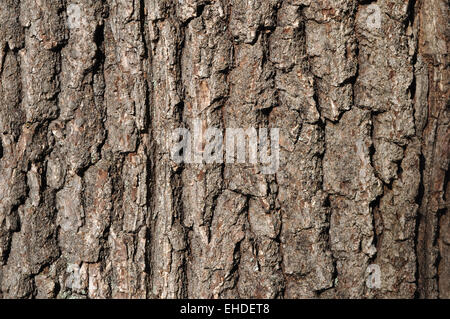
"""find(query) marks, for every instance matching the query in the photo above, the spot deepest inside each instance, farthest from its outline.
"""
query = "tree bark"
(93, 206)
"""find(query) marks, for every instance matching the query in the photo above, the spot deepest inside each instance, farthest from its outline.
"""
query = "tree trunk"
(92, 204)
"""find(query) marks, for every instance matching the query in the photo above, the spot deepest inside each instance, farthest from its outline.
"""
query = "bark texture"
(92, 205)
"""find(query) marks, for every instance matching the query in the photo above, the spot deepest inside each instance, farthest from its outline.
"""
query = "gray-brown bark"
(92, 204)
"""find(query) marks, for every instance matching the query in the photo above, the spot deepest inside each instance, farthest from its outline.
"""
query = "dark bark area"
(93, 206)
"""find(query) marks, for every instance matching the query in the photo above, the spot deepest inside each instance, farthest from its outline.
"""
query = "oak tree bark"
(93, 206)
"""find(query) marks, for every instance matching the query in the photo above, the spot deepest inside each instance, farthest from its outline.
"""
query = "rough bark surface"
(93, 206)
